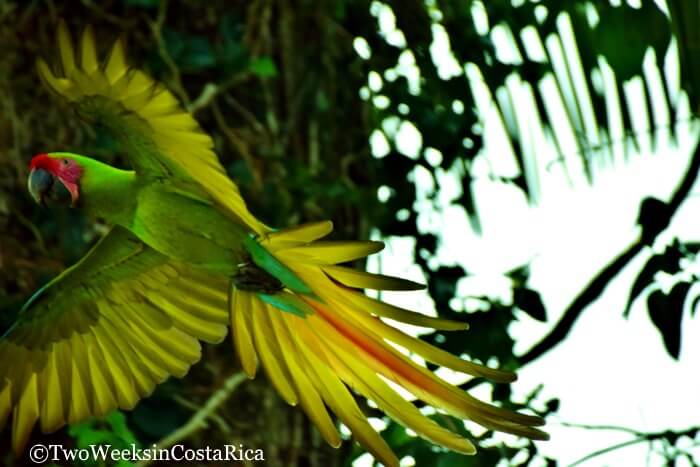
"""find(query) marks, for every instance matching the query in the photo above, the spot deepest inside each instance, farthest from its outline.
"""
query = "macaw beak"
(39, 183)
(49, 190)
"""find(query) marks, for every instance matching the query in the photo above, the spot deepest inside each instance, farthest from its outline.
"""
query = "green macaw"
(184, 261)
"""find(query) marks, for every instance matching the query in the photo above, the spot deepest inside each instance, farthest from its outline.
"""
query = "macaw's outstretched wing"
(102, 335)
(157, 135)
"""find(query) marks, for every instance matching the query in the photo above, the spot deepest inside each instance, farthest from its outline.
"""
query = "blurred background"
(535, 162)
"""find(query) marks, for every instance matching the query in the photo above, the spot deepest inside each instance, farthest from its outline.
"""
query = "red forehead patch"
(43, 161)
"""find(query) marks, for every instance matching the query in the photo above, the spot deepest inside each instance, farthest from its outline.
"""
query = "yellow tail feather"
(345, 342)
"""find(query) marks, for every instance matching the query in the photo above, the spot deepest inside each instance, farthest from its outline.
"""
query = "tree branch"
(669, 436)
(198, 420)
(582, 300)
(157, 31)
(601, 280)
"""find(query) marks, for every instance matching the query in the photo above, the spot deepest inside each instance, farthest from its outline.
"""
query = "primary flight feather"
(184, 261)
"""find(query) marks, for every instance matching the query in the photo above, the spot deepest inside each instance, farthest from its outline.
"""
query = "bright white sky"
(611, 370)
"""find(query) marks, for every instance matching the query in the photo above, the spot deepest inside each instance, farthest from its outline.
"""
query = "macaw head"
(55, 178)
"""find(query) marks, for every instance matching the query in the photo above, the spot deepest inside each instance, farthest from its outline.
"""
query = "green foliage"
(684, 14)
(668, 261)
(112, 430)
(227, 57)
(425, 454)
(642, 28)
(666, 309)
(666, 312)
(191, 53)
(263, 67)
(159, 415)
(530, 302)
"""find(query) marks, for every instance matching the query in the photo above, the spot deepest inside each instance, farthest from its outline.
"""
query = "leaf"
(553, 405)
(666, 313)
(519, 274)
(263, 67)
(668, 261)
(117, 421)
(112, 431)
(530, 302)
(654, 217)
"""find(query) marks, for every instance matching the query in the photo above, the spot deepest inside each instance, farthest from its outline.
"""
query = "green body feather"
(181, 224)
(273, 266)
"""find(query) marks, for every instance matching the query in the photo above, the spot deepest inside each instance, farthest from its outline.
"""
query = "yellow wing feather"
(25, 414)
(242, 336)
